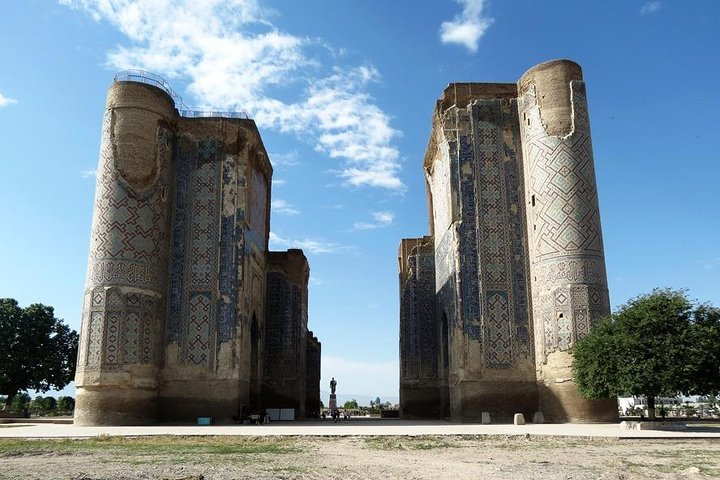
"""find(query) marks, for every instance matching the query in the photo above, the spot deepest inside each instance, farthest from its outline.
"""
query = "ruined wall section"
(420, 386)
(285, 354)
(174, 309)
(474, 171)
(441, 175)
(123, 311)
(507, 374)
(207, 312)
(569, 283)
(312, 383)
(256, 227)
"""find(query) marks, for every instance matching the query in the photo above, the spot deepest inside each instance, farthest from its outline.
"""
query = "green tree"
(658, 344)
(20, 402)
(351, 404)
(43, 405)
(37, 350)
(65, 404)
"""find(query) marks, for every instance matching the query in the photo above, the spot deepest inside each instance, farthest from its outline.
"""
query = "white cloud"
(309, 245)
(650, 7)
(283, 207)
(380, 219)
(384, 218)
(88, 173)
(215, 46)
(289, 159)
(5, 101)
(278, 182)
(467, 28)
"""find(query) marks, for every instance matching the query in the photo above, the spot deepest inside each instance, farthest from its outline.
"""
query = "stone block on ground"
(485, 419)
(538, 417)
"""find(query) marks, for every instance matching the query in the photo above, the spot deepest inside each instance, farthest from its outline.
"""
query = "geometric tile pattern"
(469, 273)
(501, 233)
(121, 329)
(95, 346)
(230, 253)
(149, 315)
(280, 328)
(129, 229)
(199, 328)
(112, 335)
(418, 311)
(129, 232)
(564, 227)
(499, 350)
(206, 246)
(194, 250)
(203, 229)
(562, 178)
(427, 344)
(181, 212)
(131, 342)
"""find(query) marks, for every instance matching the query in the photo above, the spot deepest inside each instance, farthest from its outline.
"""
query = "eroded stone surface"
(176, 304)
(516, 247)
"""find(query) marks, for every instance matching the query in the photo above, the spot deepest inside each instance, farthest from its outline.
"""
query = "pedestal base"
(333, 402)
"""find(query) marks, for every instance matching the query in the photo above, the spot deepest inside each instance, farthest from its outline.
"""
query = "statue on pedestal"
(333, 385)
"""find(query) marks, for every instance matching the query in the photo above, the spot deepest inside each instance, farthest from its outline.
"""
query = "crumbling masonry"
(513, 272)
(186, 313)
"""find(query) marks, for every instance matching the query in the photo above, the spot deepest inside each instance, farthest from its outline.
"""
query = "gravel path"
(358, 457)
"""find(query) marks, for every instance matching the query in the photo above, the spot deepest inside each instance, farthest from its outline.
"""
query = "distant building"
(513, 271)
(186, 312)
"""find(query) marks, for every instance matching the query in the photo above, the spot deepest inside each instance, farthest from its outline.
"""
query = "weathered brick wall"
(419, 330)
(519, 268)
(285, 358)
(491, 354)
(312, 385)
(174, 312)
(210, 306)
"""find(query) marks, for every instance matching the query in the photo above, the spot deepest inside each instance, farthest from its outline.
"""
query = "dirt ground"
(407, 458)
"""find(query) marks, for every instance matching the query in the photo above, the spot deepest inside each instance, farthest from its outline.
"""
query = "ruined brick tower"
(514, 271)
(177, 300)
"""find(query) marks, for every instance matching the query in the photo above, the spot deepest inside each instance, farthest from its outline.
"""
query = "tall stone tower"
(174, 317)
(567, 263)
(518, 264)
(120, 352)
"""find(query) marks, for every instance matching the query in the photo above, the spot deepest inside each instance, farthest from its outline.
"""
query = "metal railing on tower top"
(143, 76)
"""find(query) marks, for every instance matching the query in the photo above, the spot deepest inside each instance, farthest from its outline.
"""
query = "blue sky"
(342, 92)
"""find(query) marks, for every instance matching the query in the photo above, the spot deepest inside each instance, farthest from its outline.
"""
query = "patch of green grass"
(408, 443)
(160, 445)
